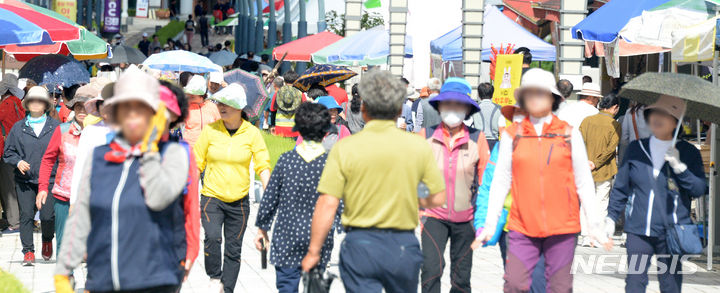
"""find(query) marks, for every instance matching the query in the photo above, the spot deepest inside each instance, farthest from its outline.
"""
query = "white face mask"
(452, 118)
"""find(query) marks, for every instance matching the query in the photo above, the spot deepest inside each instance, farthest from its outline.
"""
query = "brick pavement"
(486, 276)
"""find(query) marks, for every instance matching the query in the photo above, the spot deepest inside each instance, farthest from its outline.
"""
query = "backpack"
(288, 99)
(486, 120)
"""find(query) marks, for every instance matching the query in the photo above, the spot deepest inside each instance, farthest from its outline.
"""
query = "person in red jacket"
(11, 111)
(62, 150)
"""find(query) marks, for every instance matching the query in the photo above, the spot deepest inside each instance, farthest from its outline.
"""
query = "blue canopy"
(604, 24)
(498, 29)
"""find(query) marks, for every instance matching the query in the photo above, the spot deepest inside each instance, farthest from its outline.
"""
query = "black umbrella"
(55, 70)
(125, 54)
(702, 97)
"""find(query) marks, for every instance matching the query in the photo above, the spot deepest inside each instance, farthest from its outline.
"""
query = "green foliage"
(336, 22)
(277, 145)
(547, 66)
(10, 284)
(170, 30)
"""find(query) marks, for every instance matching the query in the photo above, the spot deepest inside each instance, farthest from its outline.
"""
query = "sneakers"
(215, 286)
(29, 259)
(47, 250)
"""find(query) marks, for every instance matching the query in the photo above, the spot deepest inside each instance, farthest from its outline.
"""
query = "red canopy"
(302, 49)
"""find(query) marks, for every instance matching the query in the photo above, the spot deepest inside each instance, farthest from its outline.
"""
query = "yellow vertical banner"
(508, 70)
(67, 8)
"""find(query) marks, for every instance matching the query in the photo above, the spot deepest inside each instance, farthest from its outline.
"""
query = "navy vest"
(129, 247)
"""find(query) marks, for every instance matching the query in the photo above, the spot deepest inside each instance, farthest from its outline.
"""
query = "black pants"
(27, 192)
(204, 38)
(435, 235)
(640, 249)
(158, 289)
(230, 219)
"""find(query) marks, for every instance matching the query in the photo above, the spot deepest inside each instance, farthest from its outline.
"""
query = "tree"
(336, 22)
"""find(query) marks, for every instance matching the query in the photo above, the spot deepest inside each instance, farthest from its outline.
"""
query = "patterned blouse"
(292, 194)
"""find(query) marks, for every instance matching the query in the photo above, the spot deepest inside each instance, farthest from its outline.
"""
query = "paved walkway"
(486, 276)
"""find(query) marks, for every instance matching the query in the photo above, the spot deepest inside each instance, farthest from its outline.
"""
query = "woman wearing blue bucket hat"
(340, 128)
(461, 153)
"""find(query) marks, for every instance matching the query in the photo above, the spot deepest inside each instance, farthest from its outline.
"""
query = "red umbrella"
(57, 29)
(300, 50)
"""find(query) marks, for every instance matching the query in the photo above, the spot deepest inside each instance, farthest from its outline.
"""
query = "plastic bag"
(315, 282)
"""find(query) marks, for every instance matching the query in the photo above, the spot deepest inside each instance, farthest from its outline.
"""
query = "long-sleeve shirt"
(502, 178)
(602, 135)
(225, 159)
(62, 150)
(162, 179)
(92, 136)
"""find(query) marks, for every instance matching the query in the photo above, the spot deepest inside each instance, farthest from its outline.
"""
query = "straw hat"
(591, 90)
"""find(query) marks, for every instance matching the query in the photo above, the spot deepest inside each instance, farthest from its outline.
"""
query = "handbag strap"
(634, 121)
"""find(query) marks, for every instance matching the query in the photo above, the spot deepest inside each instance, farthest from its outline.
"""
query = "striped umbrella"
(324, 75)
(56, 29)
(88, 46)
(17, 30)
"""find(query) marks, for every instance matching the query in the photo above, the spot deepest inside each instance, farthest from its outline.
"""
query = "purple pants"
(523, 254)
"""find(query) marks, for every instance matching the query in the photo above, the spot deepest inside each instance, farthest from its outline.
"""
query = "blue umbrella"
(257, 97)
(498, 29)
(323, 74)
(223, 57)
(17, 30)
(604, 24)
(55, 70)
(179, 60)
(369, 47)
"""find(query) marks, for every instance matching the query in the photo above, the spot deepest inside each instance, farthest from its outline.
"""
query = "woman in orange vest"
(543, 161)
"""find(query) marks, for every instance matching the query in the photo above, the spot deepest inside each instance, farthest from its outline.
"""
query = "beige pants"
(602, 193)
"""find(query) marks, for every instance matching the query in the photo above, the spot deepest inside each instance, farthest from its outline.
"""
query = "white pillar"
(571, 50)
(186, 8)
(398, 24)
(472, 32)
(353, 14)
(124, 14)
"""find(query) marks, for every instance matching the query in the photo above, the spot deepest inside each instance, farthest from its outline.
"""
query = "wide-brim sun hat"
(10, 83)
(232, 95)
(196, 86)
(538, 79)
(672, 105)
(591, 90)
(37, 93)
(133, 85)
(329, 102)
(455, 91)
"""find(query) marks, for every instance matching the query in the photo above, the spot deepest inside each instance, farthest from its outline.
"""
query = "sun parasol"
(57, 30)
(125, 54)
(223, 57)
(703, 102)
(179, 60)
(88, 47)
(257, 97)
(323, 74)
(17, 30)
(302, 49)
(55, 70)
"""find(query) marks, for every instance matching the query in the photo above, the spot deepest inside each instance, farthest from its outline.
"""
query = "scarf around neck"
(39, 120)
(121, 150)
(310, 150)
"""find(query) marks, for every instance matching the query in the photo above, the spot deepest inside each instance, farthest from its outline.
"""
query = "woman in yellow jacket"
(223, 151)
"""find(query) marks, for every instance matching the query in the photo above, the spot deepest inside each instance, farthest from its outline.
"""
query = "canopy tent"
(604, 24)
(368, 47)
(498, 29)
(302, 49)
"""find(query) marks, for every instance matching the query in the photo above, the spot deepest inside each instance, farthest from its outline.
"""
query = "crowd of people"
(125, 172)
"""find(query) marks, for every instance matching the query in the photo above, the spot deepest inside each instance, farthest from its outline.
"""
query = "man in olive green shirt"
(376, 173)
(601, 134)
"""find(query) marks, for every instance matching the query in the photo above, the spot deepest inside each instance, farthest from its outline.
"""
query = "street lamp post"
(398, 25)
(287, 33)
(272, 30)
(302, 32)
(259, 36)
(472, 34)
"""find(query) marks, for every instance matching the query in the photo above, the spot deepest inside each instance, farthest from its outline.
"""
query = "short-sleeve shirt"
(376, 173)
